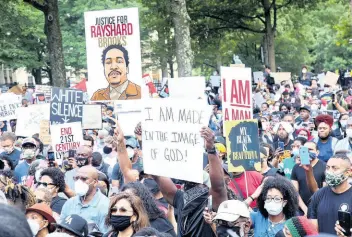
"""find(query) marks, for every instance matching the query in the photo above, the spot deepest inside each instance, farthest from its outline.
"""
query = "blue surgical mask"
(295, 153)
(312, 155)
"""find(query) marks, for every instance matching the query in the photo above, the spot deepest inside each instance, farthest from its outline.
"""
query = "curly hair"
(148, 200)
(8, 160)
(57, 176)
(286, 189)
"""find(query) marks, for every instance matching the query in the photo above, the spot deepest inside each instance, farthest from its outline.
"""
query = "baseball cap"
(304, 108)
(75, 224)
(220, 139)
(132, 142)
(45, 211)
(231, 210)
(220, 147)
(29, 141)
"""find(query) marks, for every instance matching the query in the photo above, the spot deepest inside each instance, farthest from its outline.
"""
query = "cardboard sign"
(66, 105)
(321, 79)
(187, 88)
(92, 118)
(113, 54)
(238, 65)
(331, 78)
(29, 118)
(258, 76)
(44, 89)
(215, 81)
(242, 142)
(65, 137)
(9, 102)
(44, 133)
(237, 99)
(172, 145)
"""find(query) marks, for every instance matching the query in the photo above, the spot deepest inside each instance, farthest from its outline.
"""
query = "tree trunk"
(265, 51)
(171, 66)
(269, 34)
(37, 74)
(163, 57)
(53, 33)
(184, 54)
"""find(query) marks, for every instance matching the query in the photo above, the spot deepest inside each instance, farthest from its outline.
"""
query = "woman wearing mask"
(285, 108)
(340, 132)
(304, 133)
(40, 219)
(277, 203)
(126, 215)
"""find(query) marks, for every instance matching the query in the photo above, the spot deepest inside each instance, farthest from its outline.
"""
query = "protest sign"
(9, 102)
(66, 105)
(113, 54)
(28, 119)
(65, 137)
(44, 134)
(238, 65)
(237, 93)
(44, 89)
(172, 145)
(282, 77)
(215, 81)
(321, 79)
(187, 88)
(258, 76)
(129, 115)
(242, 142)
(331, 79)
(92, 118)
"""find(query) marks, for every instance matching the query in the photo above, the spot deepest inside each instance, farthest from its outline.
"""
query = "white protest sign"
(321, 79)
(65, 137)
(237, 101)
(331, 79)
(129, 115)
(187, 88)
(215, 81)
(44, 89)
(9, 102)
(258, 76)
(172, 145)
(91, 116)
(28, 119)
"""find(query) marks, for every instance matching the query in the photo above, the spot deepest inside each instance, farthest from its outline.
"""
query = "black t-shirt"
(163, 226)
(189, 207)
(325, 205)
(57, 203)
(299, 175)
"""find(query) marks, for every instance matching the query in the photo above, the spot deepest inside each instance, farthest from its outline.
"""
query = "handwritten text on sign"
(237, 93)
(9, 102)
(172, 144)
(66, 137)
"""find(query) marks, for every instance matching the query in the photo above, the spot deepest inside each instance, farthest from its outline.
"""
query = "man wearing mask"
(299, 176)
(99, 164)
(89, 202)
(233, 217)
(7, 143)
(326, 142)
(290, 118)
(346, 143)
(327, 201)
(102, 134)
(305, 78)
(29, 149)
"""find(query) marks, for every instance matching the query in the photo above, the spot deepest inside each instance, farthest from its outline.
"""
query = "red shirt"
(254, 179)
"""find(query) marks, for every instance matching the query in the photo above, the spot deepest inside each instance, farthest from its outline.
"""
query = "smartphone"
(210, 203)
(304, 155)
(51, 156)
(345, 221)
(333, 97)
(281, 145)
(71, 153)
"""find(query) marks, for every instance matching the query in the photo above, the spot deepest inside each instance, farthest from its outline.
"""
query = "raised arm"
(167, 188)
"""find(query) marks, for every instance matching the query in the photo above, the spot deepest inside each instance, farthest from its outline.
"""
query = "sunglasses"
(45, 184)
(84, 179)
(120, 210)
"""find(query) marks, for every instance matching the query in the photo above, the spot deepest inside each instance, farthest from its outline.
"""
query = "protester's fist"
(208, 216)
(208, 136)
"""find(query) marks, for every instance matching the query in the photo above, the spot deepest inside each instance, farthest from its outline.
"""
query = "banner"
(44, 133)
(66, 105)
(28, 119)
(65, 137)
(237, 102)
(9, 102)
(92, 118)
(113, 54)
(187, 88)
(172, 145)
(44, 89)
(242, 142)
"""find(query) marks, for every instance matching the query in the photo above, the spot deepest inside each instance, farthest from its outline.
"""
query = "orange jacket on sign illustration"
(115, 60)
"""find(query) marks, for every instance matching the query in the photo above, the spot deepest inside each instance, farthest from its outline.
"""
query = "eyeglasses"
(121, 210)
(276, 199)
(45, 184)
(84, 179)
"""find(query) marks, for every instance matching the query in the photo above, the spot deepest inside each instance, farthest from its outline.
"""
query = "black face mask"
(222, 231)
(107, 150)
(120, 223)
(280, 234)
(82, 161)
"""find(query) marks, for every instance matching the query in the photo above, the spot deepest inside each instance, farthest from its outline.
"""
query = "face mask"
(276, 108)
(314, 107)
(107, 150)
(224, 231)
(326, 89)
(120, 223)
(303, 137)
(343, 123)
(82, 161)
(274, 208)
(8, 150)
(349, 132)
(34, 226)
(37, 175)
(295, 152)
(304, 71)
(28, 154)
(334, 180)
(81, 188)
(130, 152)
(312, 155)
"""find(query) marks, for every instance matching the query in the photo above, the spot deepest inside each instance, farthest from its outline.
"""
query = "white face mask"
(8, 150)
(349, 132)
(130, 152)
(81, 188)
(326, 89)
(274, 208)
(34, 226)
(314, 107)
(343, 123)
(276, 108)
(304, 71)
(28, 154)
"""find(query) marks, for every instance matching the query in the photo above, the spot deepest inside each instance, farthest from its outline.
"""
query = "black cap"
(13, 222)
(226, 170)
(304, 108)
(75, 224)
